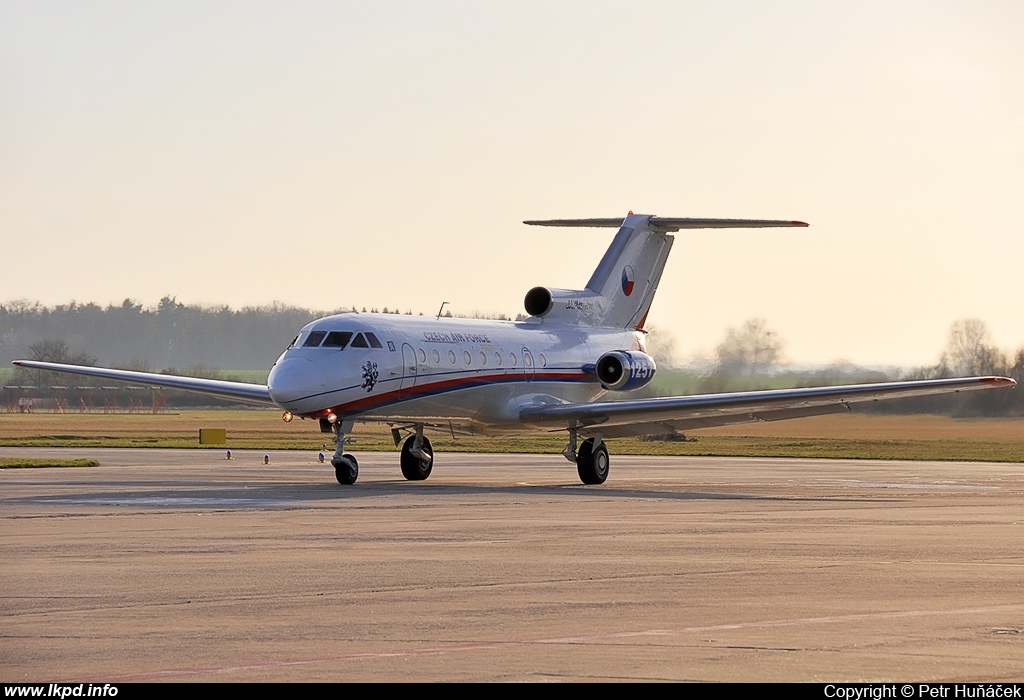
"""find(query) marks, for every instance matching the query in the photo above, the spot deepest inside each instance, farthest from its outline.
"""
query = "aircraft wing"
(237, 391)
(662, 415)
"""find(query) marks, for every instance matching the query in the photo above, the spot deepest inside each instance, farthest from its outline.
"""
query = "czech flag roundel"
(627, 280)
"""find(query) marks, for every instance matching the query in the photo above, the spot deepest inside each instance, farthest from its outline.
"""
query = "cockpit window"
(337, 339)
(314, 339)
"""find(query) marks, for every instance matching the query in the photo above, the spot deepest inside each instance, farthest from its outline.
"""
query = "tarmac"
(180, 565)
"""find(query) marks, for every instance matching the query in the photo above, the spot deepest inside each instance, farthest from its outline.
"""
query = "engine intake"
(622, 370)
(539, 301)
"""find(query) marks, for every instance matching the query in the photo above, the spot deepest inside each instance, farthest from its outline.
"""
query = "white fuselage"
(476, 374)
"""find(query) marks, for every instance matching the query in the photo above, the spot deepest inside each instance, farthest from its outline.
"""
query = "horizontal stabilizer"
(665, 224)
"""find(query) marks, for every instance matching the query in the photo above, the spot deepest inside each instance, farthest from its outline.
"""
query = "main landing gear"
(417, 457)
(591, 458)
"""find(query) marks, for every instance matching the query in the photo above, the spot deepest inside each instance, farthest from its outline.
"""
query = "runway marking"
(162, 502)
(895, 485)
(578, 639)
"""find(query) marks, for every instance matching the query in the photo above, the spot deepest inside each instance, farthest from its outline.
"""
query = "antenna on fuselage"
(440, 310)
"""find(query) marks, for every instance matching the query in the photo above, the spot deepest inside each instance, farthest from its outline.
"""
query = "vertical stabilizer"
(627, 276)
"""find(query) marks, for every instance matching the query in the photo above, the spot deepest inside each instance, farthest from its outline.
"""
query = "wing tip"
(999, 381)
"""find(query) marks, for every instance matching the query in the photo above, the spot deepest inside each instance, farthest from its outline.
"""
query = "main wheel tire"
(591, 464)
(413, 468)
(346, 470)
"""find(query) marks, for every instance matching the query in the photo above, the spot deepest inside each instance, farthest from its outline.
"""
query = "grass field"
(840, 436)
(20, 463)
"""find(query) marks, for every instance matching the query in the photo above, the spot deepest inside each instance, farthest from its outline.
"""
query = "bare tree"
(54, 351)
(661, 345)
(58, 351)
(969, 350)
(752, 349)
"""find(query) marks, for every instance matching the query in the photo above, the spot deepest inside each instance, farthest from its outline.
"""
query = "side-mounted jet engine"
(622, 370)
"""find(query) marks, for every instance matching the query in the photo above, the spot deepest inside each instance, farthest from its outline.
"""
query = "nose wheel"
(346, 469)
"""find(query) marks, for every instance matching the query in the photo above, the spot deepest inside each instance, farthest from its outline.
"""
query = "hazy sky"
(326, 154)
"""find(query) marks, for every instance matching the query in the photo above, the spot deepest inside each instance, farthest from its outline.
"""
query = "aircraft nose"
(294, 378)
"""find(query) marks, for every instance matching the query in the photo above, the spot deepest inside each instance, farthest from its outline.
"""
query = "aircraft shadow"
(291, 495)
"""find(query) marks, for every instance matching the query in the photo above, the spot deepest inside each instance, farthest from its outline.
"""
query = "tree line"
(751, 354)
(130, 336)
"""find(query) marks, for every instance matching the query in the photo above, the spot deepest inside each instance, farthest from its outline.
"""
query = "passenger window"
(337, 339)
(359, 342)
(483, 357)
(374, 343)
(497, 359)
(314, 339)
(543, 360)
(437, 357)
(423, 355)
(451, 356)
(512, 359)
(467, 357)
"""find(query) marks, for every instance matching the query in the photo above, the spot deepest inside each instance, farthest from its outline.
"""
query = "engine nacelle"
(565, 305)
(622, 370)
(539, 301)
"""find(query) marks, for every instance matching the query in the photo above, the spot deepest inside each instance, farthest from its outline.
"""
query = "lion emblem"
(369, 375)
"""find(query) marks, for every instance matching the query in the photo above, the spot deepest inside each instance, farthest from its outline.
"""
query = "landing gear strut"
(346, 468)
(417, 457)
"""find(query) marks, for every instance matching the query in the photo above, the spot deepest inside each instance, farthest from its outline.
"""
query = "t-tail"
(621, 290)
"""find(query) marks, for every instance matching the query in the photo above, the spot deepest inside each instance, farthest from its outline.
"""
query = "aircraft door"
(528, 368)
(409, 371)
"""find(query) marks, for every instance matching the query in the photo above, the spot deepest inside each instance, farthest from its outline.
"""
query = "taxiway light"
(287, 417)
(266, 459)
(228, 455)
(320, 458)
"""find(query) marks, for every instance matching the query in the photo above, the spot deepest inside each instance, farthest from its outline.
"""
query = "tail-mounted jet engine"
(622, 370)
(539, 301)
(566, 305)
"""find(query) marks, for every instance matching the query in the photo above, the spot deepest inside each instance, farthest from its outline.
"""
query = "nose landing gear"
(346, 468)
